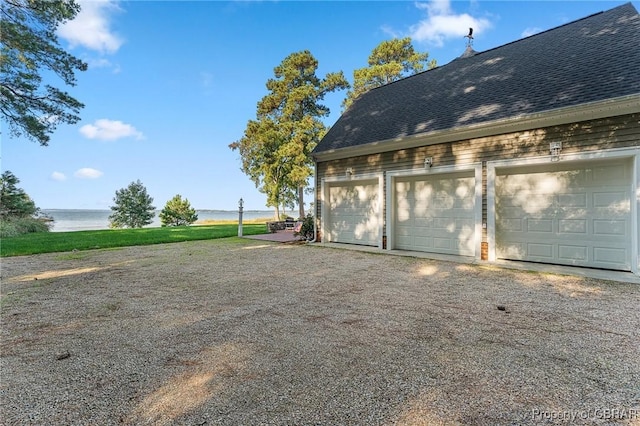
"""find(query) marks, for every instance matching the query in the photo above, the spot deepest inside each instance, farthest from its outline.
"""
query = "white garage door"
(354, 213)
(568, 214)
(435, 213)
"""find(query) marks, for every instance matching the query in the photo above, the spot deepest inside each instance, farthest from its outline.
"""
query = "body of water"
(85, 220)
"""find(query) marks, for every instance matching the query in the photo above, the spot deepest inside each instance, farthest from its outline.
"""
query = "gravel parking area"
(244, 332)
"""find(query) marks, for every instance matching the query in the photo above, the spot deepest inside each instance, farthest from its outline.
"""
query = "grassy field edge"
(50, 242)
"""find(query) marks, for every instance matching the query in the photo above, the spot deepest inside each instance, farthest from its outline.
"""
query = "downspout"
(315, 201)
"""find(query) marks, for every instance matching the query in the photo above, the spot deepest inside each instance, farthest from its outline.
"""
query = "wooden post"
(240, 218)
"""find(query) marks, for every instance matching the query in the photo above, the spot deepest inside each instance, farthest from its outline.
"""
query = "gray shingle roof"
(593, 59)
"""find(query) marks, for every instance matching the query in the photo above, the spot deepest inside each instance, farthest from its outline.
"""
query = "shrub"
(306, 230)
(178, 212)
(14, 202)
(14, 226)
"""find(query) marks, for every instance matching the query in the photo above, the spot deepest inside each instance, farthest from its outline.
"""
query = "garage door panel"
(608, 255)
(579, 216)
(404, 239)
(578, 199)
(609, 227)
(572, 253)
(511, 224)
(420, 231)
(567, 253)
(611, 173)
(465, 203)
(435, 213)
(422, 243)
(540, 250)
(423, 222)
(572, 226)
(445, 244)
(444, 223)
(465, 224)
(403, 231)
(540, 225)
(443, 202)
(532, 204)
(511, 249)
(613, 201)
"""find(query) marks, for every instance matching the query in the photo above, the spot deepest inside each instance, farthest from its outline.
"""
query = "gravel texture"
(241, 332)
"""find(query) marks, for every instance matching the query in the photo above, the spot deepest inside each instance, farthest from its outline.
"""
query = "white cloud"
(436, 7)
(103, 63)
(443, 23)
(393, 33)
(91, 27)
(58, 176)
(530, 31)
(87, 173)
(110, 130)
(99, 63)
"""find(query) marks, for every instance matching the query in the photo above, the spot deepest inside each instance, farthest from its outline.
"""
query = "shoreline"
(71, 220)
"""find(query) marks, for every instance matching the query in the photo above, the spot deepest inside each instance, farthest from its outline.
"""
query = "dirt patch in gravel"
(247, 332)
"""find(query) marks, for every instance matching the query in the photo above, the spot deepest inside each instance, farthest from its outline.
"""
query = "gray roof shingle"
(593, 59)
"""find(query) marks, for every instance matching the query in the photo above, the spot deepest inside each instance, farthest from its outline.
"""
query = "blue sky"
(171, 84)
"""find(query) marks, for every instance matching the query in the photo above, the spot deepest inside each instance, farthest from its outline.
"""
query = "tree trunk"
(301, 201)
(276, 212)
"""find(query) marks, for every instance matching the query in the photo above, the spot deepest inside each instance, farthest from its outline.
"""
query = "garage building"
(528, 152)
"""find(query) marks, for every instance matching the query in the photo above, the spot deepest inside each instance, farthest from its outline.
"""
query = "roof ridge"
(552, 29)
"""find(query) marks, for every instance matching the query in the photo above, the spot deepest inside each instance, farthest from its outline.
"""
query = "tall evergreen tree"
(29, 47)
(390, 61)
(276, 147)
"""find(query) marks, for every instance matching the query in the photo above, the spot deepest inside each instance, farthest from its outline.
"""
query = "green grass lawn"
(48, 242)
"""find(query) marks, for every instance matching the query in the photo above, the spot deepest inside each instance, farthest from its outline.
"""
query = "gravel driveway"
(242, 332)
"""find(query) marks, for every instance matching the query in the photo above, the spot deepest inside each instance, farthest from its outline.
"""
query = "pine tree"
(133, 208)
(14, 202)
(29, 51)
(18, 213)
(178, 212)
(276, 147)
(390, 61)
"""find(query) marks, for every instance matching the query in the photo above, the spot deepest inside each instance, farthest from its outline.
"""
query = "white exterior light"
(554, 150)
